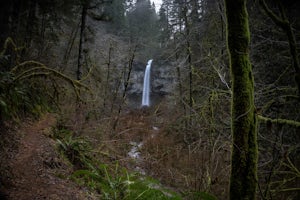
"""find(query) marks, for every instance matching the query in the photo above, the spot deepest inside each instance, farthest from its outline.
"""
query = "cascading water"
(146, 88)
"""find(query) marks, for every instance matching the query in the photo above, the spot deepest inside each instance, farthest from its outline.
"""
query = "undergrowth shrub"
(111, 181)
(116, 183)
(29, 87)
(20, 98)
(76, 149)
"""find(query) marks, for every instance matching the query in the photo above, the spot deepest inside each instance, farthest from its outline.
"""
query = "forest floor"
(33, 167)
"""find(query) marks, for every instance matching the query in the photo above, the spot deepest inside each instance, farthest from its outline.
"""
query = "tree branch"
(283, 22)
(39, 69)
(275, 18)
(279, 121)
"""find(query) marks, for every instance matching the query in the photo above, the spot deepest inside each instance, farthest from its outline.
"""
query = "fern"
(118, 183)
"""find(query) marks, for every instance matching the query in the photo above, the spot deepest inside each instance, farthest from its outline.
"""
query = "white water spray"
(146, 88)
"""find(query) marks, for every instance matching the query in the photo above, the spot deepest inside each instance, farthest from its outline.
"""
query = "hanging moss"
(243, 180)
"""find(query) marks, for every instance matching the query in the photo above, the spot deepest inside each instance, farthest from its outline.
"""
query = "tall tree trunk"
(71, 41)
(243, 179)
(5, 14)
(126, 83)
(107, 83)
(31, 22)
(189, 57)
(81, 37)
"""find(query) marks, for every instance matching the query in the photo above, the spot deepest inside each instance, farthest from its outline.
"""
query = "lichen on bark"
(243, 180)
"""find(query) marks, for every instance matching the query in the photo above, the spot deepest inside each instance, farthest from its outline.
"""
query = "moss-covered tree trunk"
(243, 179)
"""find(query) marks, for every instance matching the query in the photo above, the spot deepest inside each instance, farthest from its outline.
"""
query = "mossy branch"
(26, 73)
(89, 73)
(293, 167)
(6, 43)
(9, 41)
(35, 74)
(39, 69)
(279, 121)
(289, 190)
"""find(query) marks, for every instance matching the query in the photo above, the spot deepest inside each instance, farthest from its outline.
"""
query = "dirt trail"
(34, 169)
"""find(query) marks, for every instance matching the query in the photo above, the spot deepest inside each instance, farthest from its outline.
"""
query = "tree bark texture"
(243, 179)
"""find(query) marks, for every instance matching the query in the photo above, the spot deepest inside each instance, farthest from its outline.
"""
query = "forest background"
(83, 60)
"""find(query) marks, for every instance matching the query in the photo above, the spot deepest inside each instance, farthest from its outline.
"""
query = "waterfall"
(146, 88)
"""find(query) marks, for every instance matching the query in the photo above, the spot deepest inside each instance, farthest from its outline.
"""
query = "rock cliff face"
(162, 83)
(162, 78)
